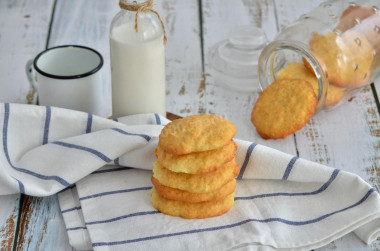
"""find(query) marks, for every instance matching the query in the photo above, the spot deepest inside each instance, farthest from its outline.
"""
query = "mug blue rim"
(82, 75)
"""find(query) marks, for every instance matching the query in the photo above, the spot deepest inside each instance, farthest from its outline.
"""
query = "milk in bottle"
(137, 63)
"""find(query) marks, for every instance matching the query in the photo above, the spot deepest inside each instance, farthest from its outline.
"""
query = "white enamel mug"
(68, 76)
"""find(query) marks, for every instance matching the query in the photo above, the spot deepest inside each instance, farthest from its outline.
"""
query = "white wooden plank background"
(192, 88)
(16, 48)
(9, 206)
(41, 225)
(184, 74)
(24, 29)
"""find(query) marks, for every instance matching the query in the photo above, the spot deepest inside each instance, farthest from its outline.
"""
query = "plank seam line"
(203, 75)
(275, 15)
(51, 24)
(374, 92)
(19, 216)
(201, 34)
(295, 145)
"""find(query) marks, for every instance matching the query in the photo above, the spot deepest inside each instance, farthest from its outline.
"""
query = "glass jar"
(137, 45)
(335, 46)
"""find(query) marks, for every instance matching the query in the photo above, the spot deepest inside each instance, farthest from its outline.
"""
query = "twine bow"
(144, 7)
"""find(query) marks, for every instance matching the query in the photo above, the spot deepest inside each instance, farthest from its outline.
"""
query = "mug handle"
(29, 73)
(33, 93)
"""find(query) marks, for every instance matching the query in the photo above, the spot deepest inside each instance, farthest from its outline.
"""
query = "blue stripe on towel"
(247, 156)
(21, 186)
(5, 147)
(158, 120)
(112, 170)
(115, 192)
(47, 125)
(116, 161)
(122, 217)
(71, 209)
(75, 228)
(289, 168)
(43, 177)
(83, 148)
(321, 189)
(288, 222)
(89, 123)
(146, 137)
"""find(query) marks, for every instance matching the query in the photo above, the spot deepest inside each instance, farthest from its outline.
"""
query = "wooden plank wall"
(32, 27)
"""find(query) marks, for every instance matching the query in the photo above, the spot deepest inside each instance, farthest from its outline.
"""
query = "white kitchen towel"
(103, 170)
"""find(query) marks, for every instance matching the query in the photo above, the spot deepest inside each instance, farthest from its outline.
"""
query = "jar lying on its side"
(335, 48)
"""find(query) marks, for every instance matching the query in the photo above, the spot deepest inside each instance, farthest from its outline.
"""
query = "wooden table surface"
(347, 137)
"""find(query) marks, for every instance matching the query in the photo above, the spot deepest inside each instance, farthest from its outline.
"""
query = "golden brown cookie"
(283, 108)
(352, 16)
(196, 183)
(299, 71)
(367, 28)
(348, 57)
(196, 133)
(308, 66)
(187, 210)
(181, 195)
(198, 162)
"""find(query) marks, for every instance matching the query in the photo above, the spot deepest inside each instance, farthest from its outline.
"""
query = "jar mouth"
(272, 60)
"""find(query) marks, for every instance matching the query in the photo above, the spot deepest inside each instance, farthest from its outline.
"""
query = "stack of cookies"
(194, 175)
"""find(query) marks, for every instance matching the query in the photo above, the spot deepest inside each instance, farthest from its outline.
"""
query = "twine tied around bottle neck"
(144, 7)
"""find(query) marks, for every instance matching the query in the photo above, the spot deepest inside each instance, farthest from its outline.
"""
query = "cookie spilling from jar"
(283, 108)
(194, 175)
(303, 71)
(347, 57)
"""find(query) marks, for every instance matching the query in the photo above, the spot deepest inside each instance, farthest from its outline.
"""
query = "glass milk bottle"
(137, 43)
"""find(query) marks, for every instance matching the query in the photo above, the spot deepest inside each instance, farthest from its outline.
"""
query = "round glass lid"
(237, 56)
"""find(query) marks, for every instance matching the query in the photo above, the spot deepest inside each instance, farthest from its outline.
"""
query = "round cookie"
(196, 133)
(283, 108)
(196, 183)
(198, 162)
(367, 28)
(349, 17)
(348, 58)
(299, 71)
(181, 195)
(192, 210)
